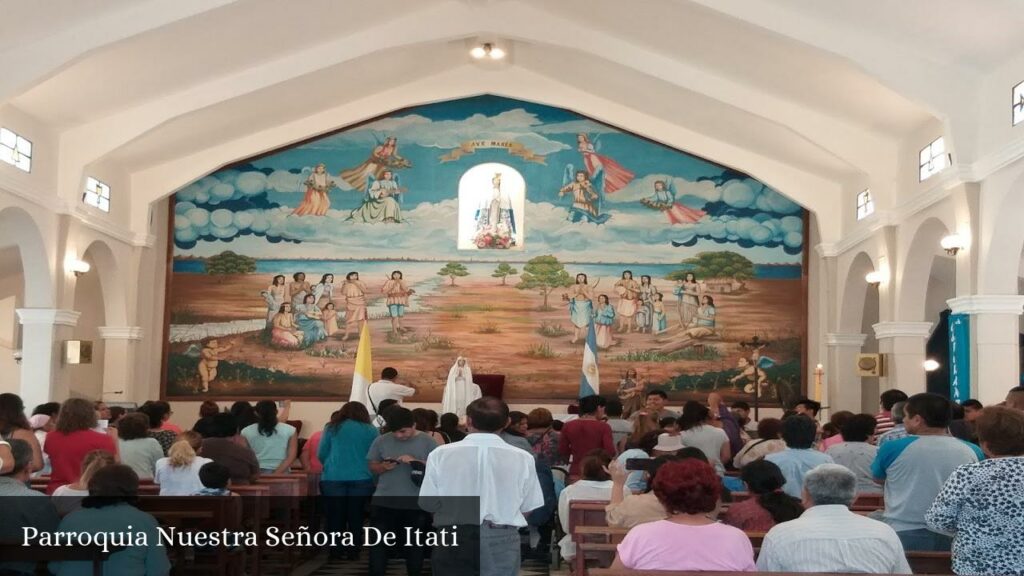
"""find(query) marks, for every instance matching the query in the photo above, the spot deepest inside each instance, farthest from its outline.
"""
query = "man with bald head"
(1015, 398)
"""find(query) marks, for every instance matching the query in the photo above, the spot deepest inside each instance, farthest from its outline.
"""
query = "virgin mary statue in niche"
(495, 220)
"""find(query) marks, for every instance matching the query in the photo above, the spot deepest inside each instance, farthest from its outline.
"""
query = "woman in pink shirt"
(835, 424)
(689, 539)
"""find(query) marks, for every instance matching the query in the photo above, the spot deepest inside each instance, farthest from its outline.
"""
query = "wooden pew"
(201, 514)
(930, 562)
(288, 492)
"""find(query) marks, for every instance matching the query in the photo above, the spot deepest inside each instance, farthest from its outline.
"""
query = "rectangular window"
(97, 194)
(1018, 103)
(934, 159)
(865, 205)
(15, 150)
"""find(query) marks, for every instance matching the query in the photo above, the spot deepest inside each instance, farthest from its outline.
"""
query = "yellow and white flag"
(362, 376)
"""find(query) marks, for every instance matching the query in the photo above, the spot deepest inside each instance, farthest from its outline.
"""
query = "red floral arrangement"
(489, 238)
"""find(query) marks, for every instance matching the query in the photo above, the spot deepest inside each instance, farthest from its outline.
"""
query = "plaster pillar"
(843, 384)
(995, 348)
(902, 344)
(42, 334)
(119, 362)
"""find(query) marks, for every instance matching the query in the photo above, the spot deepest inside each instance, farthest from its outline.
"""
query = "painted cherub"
(209, 359)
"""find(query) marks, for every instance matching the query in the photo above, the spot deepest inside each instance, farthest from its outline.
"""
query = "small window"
(15, 150)
(865, 205)
(97, 194)
(1018, 103)
(934, 159)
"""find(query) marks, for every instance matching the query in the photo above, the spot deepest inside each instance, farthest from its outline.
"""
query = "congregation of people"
(949, 477)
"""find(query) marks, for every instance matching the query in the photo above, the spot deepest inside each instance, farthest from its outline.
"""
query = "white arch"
(18, 228)
(1003, 237)
(855, 291)
(916, 269)
(111, 284)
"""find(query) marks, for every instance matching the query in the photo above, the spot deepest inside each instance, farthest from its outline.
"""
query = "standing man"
(504, 478)
(396, 294)
(586, 433)
(386, 389)
(354, 292)
(396, 458)
(913, 470)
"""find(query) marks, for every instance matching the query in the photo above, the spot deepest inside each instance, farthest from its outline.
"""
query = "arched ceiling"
(829, 90)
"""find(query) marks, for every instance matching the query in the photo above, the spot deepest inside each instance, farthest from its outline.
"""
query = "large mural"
(494, 229)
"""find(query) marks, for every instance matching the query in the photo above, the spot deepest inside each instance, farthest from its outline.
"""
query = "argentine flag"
(590, 380)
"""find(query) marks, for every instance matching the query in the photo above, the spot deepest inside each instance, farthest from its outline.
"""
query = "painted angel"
(616, 176)
(664, 200)
(586, 200)
(383, 157)
(380, 204)
(316, 201)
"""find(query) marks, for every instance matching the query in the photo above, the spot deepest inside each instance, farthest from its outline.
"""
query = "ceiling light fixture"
(952, 244)
(487, 50)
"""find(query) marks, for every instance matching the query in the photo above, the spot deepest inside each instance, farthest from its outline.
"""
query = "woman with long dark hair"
(699, 432)
(14, 425)
(243, 413)
(768, 506)
(275, 443)
(346, 482)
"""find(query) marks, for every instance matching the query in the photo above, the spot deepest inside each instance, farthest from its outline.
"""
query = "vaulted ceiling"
(829, 89)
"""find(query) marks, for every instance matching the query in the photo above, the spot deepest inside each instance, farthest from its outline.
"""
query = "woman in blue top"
(346, 481)
(275, 443)
(113, 491)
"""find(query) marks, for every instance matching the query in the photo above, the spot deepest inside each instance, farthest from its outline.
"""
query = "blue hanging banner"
(959, 357)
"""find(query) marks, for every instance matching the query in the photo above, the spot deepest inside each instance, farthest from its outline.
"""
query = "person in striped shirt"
(898, 430)
(884, 417)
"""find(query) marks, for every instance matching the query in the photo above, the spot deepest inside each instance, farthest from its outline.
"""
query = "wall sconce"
(931, 365)
(952, 244)
(78, 267)
(875, 277)
(487, 50)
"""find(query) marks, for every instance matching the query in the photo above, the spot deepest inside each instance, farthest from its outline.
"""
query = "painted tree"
(544, 273)
(503, 271)
(453, 270)
(707, 265)
(230, 263)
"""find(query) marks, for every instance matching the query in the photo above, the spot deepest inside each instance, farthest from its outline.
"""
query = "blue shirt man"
(798, 458)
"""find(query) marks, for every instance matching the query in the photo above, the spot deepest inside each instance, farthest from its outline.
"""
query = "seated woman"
(68, 498)
(311, 321)
(284, 333)
(595, 484)
(700, 432)
(768, 506)
(275, 443)
(688, 539)
(856, 452)
(769, 440)
(980, 504)
(626, 510)
(110, 508)
(137, 449)
(178, 473)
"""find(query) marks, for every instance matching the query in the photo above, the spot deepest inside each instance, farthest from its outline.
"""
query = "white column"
(995, 348)
(902, 343)
(43, 331)
(119, 361)
(843, 384)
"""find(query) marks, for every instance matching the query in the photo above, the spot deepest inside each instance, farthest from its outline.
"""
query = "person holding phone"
(398, 459)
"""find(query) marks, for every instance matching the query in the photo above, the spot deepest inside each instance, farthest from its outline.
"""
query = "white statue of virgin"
(460, 389)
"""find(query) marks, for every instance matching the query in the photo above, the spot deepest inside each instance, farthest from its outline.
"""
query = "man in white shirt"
(503, 481)
(386, 389)
(830, 538)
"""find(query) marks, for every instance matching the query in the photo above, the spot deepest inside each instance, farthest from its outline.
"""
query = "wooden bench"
(201, 514)
(930, 562)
